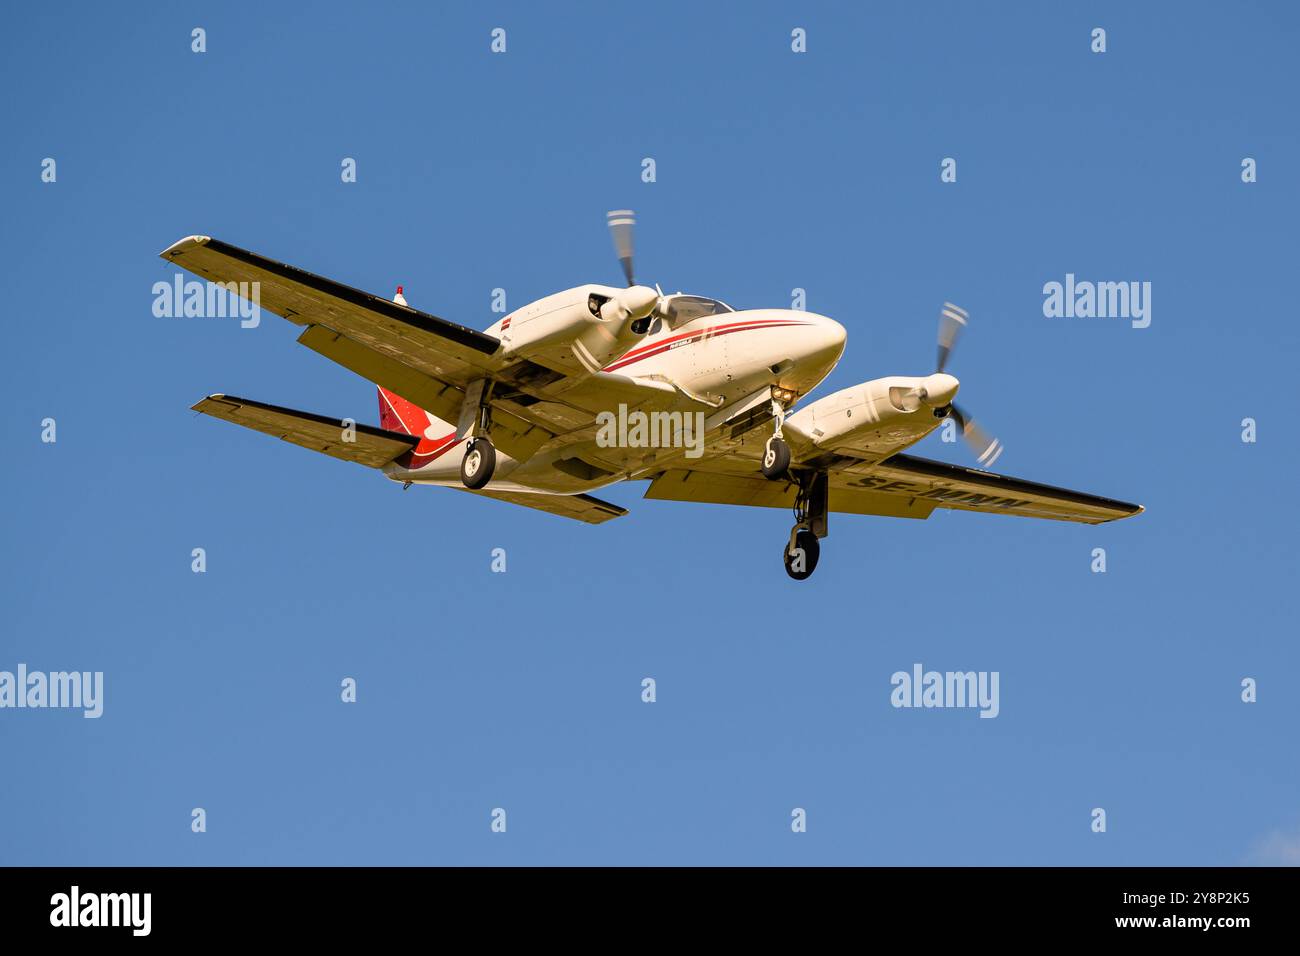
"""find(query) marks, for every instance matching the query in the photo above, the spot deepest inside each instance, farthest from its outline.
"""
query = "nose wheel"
(776, 459)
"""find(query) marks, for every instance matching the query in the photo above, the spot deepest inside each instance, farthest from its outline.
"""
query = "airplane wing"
(373, 447)
(433, 345)
(901, 486)
(425, 359)
(969, 489)
(714, 487)
(376, 447)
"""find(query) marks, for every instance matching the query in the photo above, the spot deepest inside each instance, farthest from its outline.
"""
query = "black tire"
(478, 464)
(808, 550)
(776, 459)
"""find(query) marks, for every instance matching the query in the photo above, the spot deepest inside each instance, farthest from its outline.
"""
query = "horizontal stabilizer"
(579, 507)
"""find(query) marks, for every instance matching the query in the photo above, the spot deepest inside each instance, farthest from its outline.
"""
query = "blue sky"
(775, 170)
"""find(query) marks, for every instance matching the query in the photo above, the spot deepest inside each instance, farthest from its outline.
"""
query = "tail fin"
(396, 414)
(434, 437)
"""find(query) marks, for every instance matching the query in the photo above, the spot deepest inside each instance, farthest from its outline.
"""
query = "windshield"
(683, 308)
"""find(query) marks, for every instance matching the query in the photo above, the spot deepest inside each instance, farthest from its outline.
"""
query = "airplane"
(518, 412)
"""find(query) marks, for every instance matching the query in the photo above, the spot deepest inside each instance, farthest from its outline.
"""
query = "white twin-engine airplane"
(512, 413)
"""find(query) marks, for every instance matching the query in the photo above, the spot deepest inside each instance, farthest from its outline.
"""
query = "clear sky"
(775, 170)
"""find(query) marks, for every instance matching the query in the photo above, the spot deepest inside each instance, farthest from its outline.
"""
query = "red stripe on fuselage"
(658, 348)
(428, 450)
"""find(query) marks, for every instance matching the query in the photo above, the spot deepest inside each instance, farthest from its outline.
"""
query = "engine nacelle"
(587, 327)
(878, 417)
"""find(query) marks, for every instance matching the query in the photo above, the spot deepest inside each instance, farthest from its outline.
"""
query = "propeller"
(621, 222)
(952, 319)
(987, 449)
(639, 302)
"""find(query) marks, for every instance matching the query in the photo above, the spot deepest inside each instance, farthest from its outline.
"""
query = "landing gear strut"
(480, 459)
(811, 507)
(776, 454)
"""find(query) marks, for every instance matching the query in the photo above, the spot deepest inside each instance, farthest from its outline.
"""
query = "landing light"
(784, 395)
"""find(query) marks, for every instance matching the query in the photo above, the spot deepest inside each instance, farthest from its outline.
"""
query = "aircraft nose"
(827, 337)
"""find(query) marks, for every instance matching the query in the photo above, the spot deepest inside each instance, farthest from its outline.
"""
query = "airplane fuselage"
(713, 359)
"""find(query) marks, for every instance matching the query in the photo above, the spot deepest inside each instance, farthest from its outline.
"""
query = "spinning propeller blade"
(621, 222)
(952, 319)
(987, 449)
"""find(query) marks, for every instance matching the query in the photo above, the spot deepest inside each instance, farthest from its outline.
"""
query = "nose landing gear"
(776, 458)
(776, 454)
(811, 508)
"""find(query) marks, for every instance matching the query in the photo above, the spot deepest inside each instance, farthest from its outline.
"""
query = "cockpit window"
(683, 308)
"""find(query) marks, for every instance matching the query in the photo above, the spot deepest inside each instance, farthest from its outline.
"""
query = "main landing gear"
(801, 554)
(480, 459)
(478, 464)
(811, 507)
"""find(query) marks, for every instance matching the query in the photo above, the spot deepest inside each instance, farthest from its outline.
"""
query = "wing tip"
(201, 404)
(1131, 511)
(183, 245)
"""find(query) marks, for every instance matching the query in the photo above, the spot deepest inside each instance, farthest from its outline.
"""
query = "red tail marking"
(398, 415)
